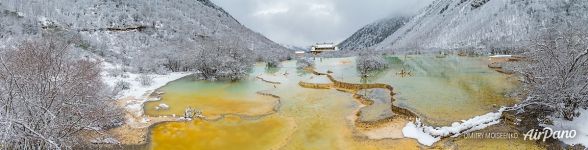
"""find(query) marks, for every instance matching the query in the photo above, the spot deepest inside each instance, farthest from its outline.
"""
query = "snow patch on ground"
(501, 56)
(579, 124)
(416, 131)
(138, 93)
(428, 135)
(162, 106)
(108, 140)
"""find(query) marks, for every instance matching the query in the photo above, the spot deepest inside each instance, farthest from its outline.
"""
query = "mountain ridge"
(373, 33)
(478, 24)
(125, 32)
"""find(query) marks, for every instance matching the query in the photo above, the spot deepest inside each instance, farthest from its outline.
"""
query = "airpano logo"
(546, 133)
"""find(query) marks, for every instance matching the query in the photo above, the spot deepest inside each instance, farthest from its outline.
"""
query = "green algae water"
(449, 89)
(442, 90)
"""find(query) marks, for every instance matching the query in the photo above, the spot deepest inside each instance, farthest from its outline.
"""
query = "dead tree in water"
(404, 73)
(190, 113)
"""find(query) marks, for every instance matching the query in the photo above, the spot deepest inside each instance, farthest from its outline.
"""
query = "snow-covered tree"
(304, 62)
(558, 72)
(369, 60)
(227, 62)
(48, 96)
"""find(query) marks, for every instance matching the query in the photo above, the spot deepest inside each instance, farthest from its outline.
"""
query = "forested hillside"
(373, 33)
(149, 36)
(481, 24)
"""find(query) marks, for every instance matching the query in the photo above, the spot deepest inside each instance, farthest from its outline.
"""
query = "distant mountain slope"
(373, 33)
(479, 24)
(123, 31)
(295, 48)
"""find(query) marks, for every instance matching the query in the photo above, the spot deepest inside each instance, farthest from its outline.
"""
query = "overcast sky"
(305, 22)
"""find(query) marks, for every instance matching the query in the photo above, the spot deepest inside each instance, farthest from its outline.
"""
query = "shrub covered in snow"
(557, 75)
(273, 63)
(302, 63)
(48, 96)
(122, 85)
(370, 60)
(117, 72)
(145, 79)
(224, 63)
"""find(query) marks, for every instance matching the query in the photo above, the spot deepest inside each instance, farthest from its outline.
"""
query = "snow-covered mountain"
(479, 24)
(295, 48)
(373, 33)
(123, 32)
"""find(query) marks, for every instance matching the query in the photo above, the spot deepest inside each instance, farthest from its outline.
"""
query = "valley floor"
(305, 112)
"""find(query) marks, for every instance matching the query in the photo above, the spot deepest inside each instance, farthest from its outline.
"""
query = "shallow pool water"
(441, 90)
(229, 133)
(212, 98)
(445, 90)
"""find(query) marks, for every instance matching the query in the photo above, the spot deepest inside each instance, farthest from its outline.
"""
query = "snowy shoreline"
(134, 98)
(140, 94)
(428, 135)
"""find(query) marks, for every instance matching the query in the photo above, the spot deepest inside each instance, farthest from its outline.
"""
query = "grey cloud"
(304, 22)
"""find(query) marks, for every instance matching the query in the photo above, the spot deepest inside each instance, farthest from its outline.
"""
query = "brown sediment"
(264, 80)
(133, 132)
(400, 113)
(315, 85)
(311, 70)
(500, 70)
(496, 63)
(496, 66)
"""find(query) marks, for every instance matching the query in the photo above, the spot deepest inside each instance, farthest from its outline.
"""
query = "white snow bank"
(501, 56)
(108, 140)
(162, 106)
(579, 124)
(136, 89)
(139, 91)
(416, 131)
(428, 135)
